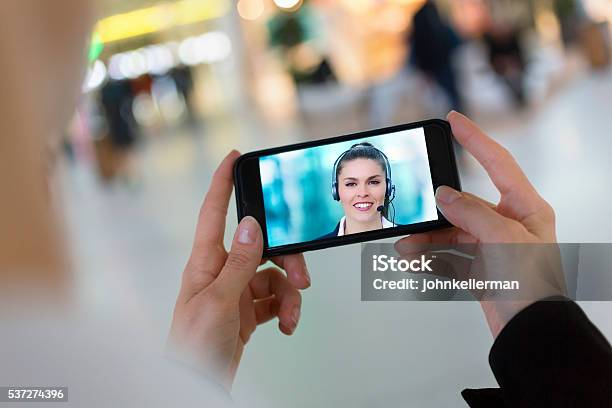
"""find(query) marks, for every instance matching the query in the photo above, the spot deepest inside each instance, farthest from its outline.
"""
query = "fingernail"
(458, 122)
(246, 230)
(295, 316)
(456, 114)
(447, 195)
(286, 329)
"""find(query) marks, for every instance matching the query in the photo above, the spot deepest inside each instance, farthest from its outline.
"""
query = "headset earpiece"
(334, 192)
(390, 191)
(334, 189)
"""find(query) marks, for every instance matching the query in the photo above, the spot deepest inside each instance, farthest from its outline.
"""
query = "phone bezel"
(442, 164)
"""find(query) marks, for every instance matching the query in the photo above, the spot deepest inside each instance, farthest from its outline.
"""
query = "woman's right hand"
(522, 216)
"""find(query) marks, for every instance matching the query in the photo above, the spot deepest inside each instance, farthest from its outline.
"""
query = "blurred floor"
(131, 243)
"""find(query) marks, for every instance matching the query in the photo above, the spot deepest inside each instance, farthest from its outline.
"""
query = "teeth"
(363, 205)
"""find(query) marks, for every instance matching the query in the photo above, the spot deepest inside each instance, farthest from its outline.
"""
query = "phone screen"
(348, 187)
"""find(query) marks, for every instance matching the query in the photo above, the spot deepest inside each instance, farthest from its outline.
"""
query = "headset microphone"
(380, 208)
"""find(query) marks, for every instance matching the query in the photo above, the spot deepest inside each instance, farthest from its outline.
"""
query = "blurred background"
(173, 86)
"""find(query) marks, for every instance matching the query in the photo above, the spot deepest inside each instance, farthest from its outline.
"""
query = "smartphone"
(347, 189)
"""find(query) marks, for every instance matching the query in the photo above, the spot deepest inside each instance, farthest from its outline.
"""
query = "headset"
(390, 187)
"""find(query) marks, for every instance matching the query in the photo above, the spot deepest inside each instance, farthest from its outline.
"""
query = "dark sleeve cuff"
(483, 398)
(550, 354)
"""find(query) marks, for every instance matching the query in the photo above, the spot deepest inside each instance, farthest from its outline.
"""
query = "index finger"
(211, 220)
(295, 268)
(517, 193)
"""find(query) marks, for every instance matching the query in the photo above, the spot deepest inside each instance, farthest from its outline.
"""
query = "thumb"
(470, 214)
(243, 259)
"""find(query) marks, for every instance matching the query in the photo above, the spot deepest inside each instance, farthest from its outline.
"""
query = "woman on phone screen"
(361, 182)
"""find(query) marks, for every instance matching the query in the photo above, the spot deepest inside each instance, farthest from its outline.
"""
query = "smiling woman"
(362, 183)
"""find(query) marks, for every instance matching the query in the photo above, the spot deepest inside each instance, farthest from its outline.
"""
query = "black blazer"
(332, 234)
(548, 355)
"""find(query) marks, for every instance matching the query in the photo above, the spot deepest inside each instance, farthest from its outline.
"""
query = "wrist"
(207, 365)
(498, 313)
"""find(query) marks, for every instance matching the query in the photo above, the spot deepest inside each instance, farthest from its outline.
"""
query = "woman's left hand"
(222, 297)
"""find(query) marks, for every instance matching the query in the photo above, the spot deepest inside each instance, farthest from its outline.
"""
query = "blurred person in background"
(433, 43)
(117, 98)
(183, 78)
(507, 58)
(571, 18)
(296, 37)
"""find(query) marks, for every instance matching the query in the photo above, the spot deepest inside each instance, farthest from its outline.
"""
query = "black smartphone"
(347, 189)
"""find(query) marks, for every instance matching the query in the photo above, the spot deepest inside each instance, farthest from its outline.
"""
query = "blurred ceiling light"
(113, 67)
(96, 75)
(159, 59)
(188, 52)
(250, 9)
(217, 46)
(207, 48)
(133, 64)
(159, 17)
(291, 5)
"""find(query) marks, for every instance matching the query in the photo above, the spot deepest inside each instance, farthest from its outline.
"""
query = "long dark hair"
(366, 150)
